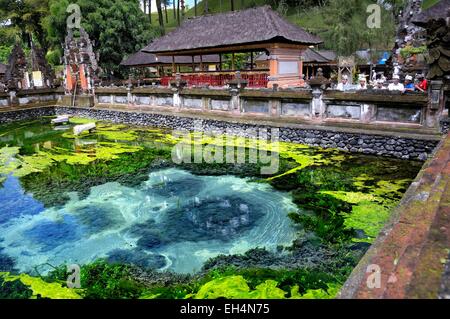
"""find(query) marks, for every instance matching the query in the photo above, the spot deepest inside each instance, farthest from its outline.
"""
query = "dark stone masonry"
(405, 148)
(356, 143)
(26, 114)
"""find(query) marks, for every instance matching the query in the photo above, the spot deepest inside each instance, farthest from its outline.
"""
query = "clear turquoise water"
(175, 220)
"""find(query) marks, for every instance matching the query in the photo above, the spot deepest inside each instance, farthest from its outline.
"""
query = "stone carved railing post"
(13, 100)
(318, 107)
(130, 99)
(177, 86)
(435, 103)
(235, 87)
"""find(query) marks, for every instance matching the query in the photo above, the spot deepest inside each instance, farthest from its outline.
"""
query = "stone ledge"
(385, 97)
(384, 129)
(365, 142)
(412, 249)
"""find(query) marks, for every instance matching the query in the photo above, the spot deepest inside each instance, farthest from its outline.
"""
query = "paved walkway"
(412, 252)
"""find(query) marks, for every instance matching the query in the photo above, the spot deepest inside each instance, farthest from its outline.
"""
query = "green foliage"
(408, 51)
(336, 194)
(14, 289)
(101, 280)
(369, 217)
(235, 287)
(342, 24)
(5, 51)
(118, 28)
(426, 4)
(41, 288)
(54, 57)
(25, 17)
(329, 293)
(264, 283)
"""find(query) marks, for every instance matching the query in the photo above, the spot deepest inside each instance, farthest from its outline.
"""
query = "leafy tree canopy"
(347, 26)
(116, 27)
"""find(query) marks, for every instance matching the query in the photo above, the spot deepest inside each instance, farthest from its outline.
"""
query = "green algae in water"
(236, 287)
(344, 192)
(44, 289)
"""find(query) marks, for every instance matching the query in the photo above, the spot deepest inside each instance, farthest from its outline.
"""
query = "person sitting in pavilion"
(409, 84)
(344, 85)
(396, 85)
(422, 85)
(362, 85)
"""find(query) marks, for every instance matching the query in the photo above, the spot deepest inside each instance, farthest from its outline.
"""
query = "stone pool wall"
(393, 146)
(25, 114)
(375, 144)
(410, 257)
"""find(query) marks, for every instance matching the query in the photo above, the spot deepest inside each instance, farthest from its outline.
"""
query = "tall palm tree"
(232, 5)
(195, 7)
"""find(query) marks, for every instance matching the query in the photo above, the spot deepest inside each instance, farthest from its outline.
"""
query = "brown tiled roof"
(436, 12)
(311, 55)
(2, 68)
(254, 25)
(328, 54)
(143, 59)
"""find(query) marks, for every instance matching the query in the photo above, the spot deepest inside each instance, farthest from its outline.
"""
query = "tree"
(116, 27)
(174, 10)
(166, 3)
(160, 15)
(205, 8)
(232, 5)
(25, 17)
(150, 10)
(347, 29)
(178, 12)
(195, 7)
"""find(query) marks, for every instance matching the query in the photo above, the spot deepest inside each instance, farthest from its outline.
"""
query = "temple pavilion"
(159, 66)
(254, 30)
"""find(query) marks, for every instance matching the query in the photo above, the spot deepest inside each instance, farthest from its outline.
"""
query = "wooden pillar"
(300, 67)
(193, 64)
(201, 63)
(174, 70)
(251, 60)
(220, 61)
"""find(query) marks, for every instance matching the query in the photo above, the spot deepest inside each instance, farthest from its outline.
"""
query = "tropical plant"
(25, 17)
(117, 28)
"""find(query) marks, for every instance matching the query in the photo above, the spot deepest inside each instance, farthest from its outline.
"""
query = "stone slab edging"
(383, 129)
(410, 254)
(380, 143)
(366, 142)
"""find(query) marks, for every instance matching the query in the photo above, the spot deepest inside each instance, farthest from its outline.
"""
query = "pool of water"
(175, 221)
(115, 194)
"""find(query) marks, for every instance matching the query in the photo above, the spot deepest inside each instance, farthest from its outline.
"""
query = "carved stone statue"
(80, 63)
(16, 70)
